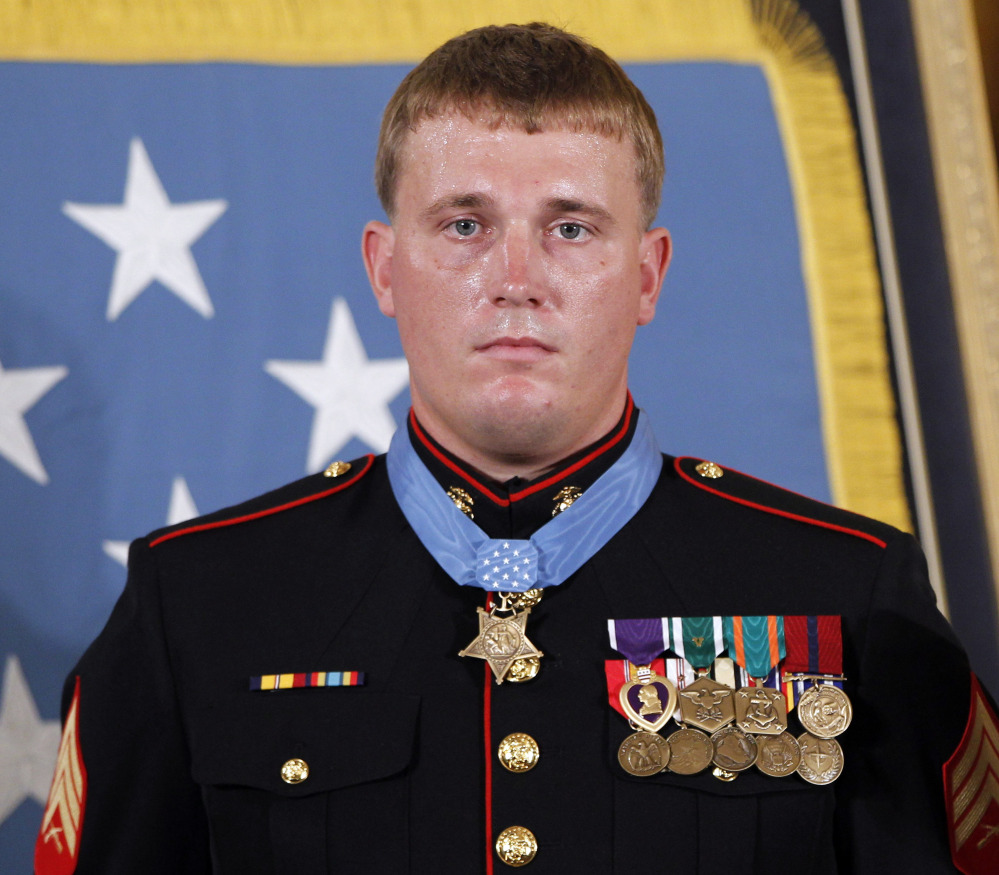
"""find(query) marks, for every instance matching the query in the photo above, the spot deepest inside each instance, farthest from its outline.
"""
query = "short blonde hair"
(529, 76)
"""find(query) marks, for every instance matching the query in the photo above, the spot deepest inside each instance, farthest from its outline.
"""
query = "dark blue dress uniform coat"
(184, 761)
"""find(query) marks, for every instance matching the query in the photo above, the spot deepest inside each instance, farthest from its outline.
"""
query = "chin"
(519, 424)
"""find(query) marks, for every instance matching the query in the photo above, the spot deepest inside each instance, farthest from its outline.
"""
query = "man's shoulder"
(339, 478)
(755, 496)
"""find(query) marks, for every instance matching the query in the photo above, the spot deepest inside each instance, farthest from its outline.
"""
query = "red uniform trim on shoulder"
(612, 441)
(219, 524)
(857, 533)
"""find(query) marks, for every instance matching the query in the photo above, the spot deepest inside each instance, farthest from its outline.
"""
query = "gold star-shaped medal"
(501, 640)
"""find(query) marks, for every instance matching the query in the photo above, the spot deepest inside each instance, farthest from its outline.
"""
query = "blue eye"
(465, 227)
(570, 230)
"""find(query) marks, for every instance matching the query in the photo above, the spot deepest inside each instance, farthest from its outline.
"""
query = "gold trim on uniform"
(462, 500)
(518, 752)
(294, 771)
(516, 846)
(336, 469)
(709, 470)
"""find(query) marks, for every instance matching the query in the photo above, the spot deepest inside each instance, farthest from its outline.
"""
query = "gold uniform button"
(294, 771)
(336, 469)
(518, 752)
(516, 846)
(709, 470)
(523, 670)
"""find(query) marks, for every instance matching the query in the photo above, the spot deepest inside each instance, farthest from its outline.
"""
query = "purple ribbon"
(639, 641)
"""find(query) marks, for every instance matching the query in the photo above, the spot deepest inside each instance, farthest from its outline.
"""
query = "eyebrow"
(469, 201)
(569, 205)
(478, 201)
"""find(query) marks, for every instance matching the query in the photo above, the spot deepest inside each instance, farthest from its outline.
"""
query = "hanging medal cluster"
(731, 712)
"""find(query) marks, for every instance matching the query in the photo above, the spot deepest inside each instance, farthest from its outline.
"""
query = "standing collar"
(518, 507)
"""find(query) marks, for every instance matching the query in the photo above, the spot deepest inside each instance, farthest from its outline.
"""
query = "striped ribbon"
(755, 643)
(698, 640)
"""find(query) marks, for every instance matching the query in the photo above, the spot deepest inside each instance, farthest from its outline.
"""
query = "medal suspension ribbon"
(755, 643)
(698, 640)
(814, 652)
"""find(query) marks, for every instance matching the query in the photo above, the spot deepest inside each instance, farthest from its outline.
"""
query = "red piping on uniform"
(487, 734)
(772, 510)
(218, 524)
(537, 487)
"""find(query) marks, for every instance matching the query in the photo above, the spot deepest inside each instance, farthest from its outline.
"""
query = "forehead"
(452, 152)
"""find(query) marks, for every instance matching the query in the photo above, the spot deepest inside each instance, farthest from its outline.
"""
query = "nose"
(518, 283)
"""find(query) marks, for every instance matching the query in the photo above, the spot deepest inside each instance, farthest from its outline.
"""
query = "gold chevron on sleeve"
(973, 779)
(63, 818)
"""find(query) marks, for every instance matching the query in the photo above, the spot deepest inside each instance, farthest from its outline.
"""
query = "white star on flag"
(350, 393)
(28, 744)
(151, 236)
(20, 388)
(181, 508)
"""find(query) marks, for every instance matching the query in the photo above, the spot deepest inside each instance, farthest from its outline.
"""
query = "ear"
(376, 249)
(655, 251)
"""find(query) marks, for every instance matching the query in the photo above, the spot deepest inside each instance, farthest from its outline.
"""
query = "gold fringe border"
(863, 446)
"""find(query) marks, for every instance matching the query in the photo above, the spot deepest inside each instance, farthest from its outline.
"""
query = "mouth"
(516, 349)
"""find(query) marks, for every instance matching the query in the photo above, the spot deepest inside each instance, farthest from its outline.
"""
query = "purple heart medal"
(649, 699)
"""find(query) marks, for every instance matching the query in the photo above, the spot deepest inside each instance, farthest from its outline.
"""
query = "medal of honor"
(549, 557)
(502, 639)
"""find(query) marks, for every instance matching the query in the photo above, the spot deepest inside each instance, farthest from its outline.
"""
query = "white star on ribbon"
(350, 393)
(151, 236)
(28, 744)
(20, 388)
(181, 508)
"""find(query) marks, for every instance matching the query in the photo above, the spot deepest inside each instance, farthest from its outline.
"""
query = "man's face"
(517, 270)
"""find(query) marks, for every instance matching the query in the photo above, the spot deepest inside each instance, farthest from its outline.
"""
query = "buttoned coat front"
(184, 760)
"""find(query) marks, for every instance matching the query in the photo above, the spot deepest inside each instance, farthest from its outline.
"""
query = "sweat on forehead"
(532, 77)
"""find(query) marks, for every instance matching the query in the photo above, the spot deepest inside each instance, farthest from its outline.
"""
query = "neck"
(499, 465)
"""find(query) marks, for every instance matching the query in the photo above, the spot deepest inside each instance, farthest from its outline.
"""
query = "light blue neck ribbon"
(553, 552)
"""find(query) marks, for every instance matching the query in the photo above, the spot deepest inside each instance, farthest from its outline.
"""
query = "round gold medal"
(690, 751)
(821, 759)
(825, 711)
(735, 750)
(643, 754)
(778, 755)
